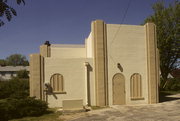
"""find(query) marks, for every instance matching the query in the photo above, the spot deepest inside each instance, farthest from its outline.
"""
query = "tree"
(7, 11)
(2, 62)
(14, 88)
(17, 60)
(23, 74)
(167, 20)
(15, 101)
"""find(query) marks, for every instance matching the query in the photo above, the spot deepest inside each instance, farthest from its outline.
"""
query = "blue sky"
(64, 22)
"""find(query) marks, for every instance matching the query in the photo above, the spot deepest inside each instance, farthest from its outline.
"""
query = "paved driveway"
(165, 111)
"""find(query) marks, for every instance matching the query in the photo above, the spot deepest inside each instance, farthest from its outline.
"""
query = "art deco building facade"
(117, 65)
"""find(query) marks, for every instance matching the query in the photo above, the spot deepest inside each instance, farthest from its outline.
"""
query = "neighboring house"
(7, 72)
(117, 65)
(176, 73)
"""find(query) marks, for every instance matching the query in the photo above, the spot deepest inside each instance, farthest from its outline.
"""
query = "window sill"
(59, 92)
(137, 98)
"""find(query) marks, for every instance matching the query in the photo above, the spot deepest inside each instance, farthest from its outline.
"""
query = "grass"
(164, 96)
(50, 116)
(98, 107)
(170, 92)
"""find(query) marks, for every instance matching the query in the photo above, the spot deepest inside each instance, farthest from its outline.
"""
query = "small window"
(136, 86)
(56, 82)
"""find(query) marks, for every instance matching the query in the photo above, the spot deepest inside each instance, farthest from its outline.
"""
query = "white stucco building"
(117, 65)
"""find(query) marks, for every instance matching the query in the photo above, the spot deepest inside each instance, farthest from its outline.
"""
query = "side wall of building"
(89, 46)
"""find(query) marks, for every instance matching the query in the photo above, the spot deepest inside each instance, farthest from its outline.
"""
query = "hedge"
(16, 108)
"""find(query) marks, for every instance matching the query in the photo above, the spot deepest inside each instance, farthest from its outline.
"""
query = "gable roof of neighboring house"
(13, 68)
(176, 73)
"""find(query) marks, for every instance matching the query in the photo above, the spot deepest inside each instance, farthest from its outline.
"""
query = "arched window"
(56, 82)
(136, 86)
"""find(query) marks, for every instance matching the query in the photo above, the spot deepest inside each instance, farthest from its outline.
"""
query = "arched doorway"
(118, 83)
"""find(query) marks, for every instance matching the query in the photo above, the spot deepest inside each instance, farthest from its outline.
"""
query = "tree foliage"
(16, 108)
(167, 20)
(7, 11)
(2, 62)
(23, 74)
(14, 88)
(15, 101)
(14, 60)
(17, 60)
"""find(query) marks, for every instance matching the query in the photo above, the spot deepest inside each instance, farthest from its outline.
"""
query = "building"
(175, 73)
(117, 65)
(7, 72)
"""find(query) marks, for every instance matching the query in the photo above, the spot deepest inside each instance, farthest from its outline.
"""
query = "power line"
(122, 21)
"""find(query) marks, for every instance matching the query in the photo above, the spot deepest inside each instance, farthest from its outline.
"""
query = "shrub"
(172, 85)
(15, 88)
(22, 74)
(17, 108)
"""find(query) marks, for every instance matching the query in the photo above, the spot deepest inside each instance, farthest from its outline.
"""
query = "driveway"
(164, 111)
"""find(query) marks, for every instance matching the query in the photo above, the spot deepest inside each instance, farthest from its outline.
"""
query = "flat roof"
(68, 45)
(13, 68)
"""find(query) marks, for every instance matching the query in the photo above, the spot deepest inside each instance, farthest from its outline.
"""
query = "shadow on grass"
(164, 97)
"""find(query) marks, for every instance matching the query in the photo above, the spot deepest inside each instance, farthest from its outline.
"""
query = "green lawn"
(170, 92)
(54, 116)
(51, 116)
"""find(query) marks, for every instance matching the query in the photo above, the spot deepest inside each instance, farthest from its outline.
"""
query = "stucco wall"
(63, 51)
(89, 44)
(126, 44)
(73, 71)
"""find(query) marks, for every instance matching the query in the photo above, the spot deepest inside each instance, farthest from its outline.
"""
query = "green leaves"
(167, 20)
(20, 1)
(15, 88)
(16, 108)
(7, 11)
(22, 74)
(17, 60)
(13, 11)
(1, 23)
(8, 15)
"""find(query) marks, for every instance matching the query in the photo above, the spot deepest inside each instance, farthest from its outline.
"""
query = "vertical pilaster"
(35, 76)
(86, 82)
(152, 63)
(100, 61)
(44, 52)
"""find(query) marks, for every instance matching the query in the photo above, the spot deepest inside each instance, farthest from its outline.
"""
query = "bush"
(15, 103)
(172, 85)
(22, 74)
(15, 88)
(17, 108)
